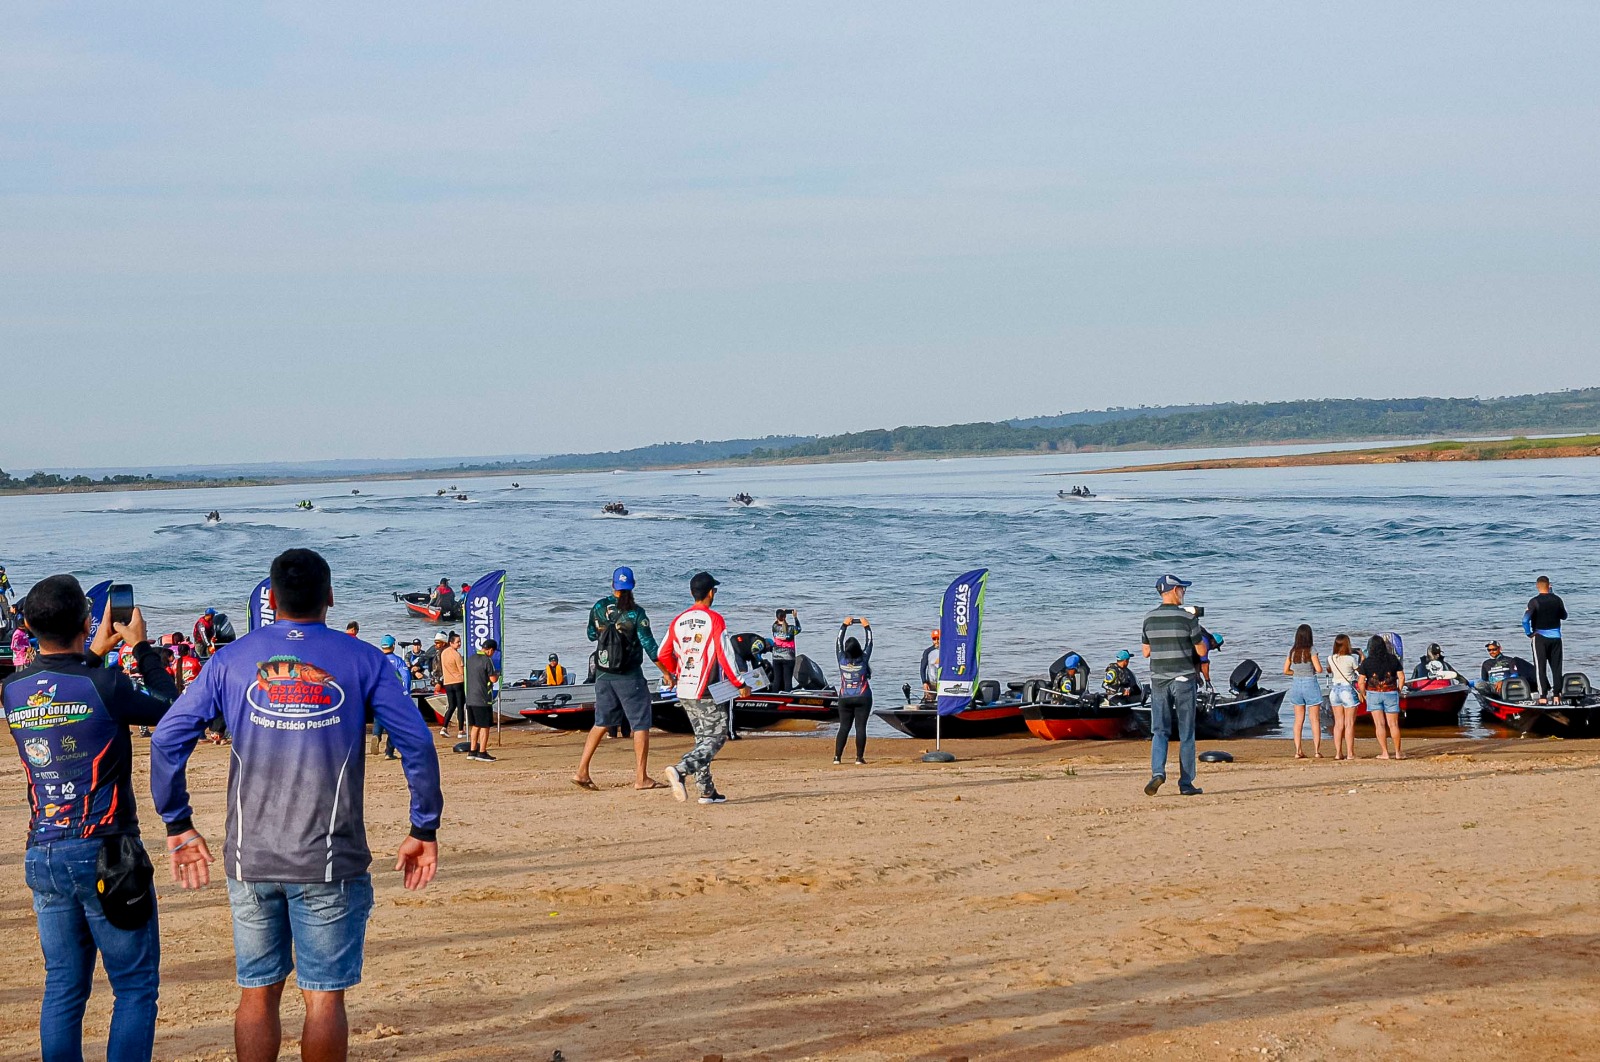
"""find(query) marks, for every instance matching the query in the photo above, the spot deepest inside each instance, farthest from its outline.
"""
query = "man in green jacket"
(623, 642)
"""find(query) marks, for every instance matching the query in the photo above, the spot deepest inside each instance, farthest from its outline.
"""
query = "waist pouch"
(125, 882)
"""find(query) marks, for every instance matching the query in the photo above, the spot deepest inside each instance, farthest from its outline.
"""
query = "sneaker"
(472, 756)
(861, 763)
(1154, 784)
(443, 732)
(837, 761)
(485, 757)
(1193, 790)
(391, 755)
(460, 734)
(713, 797)
(675, 780)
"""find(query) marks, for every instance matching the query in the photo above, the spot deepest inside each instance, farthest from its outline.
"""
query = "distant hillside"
(1101, 416)
(1228, 425)
(672, 453)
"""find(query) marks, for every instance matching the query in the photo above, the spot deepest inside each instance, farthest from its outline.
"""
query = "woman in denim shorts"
(1382, 676)
(1343, 674)
(1305, 693)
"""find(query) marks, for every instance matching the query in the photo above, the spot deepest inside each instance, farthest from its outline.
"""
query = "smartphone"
(121, 598)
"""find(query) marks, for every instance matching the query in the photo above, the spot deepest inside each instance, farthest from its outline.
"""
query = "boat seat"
(1515, 691)
(1575, 686)
(987, 692)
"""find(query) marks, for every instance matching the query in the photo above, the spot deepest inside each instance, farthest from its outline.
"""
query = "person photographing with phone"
(296, 695)
(93, 892)
(785, 629)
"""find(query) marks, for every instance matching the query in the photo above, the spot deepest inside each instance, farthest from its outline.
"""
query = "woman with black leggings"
(855, 688)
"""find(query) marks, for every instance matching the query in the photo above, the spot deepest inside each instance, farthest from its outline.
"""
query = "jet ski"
(304, 505)
(614, 509)
(742, 499)
(213, 517)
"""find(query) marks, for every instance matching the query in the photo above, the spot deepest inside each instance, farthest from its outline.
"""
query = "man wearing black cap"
(693, 655)
(1175, 644)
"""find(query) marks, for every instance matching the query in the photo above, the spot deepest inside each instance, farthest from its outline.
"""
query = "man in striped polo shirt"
(1176, 648)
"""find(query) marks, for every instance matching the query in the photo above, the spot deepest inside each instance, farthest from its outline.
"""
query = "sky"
(297, 231)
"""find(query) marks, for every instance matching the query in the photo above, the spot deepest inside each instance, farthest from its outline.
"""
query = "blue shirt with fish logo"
(296, 698)
(69, 717)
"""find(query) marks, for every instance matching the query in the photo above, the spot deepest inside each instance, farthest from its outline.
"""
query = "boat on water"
(1245, 708)
(1075, 494)
(1424, 702)
(1055, 715)
(1576, 713)
(615, 508)
(304, 505)
(742, 499)
(213, 517)
(992, 713)
(418, 605)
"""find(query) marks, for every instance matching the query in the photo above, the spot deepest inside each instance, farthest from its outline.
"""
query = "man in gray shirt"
(1175, 646)
(480, 674)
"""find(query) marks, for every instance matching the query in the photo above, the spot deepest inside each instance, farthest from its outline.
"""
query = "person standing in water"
(1382, 677)
(1305, 694)
(785, 629)
(695, 652)
(855, 688)
(1543, 624)
(623, 642)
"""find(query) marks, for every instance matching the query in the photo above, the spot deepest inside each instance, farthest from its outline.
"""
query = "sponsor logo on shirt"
(42, 711)
(288, 688)
(38, 751)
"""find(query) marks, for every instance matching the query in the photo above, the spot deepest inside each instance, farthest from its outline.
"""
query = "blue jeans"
(318, 931)
(1168, 698)
(72, 929)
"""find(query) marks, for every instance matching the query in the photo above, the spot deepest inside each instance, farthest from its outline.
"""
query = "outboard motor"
(807, 675)
(1246, 679)
(222, 629)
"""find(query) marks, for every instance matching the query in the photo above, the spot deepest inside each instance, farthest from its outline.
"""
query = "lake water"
(1438, 552)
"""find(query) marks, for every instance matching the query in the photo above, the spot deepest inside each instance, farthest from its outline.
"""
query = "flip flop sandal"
(587, 784)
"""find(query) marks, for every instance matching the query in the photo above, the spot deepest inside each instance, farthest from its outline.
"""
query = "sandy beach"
(1027, 902)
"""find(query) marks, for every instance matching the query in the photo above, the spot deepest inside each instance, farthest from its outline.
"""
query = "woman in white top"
(1342, 696)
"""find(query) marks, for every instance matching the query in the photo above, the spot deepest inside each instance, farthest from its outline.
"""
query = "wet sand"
(1027, 902)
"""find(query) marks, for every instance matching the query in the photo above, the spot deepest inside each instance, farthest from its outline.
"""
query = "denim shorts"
(1386, 702)
(317, 930)
(1304, 690)
(1343, 695)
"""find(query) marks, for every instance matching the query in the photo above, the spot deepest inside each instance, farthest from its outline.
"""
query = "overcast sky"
(242, 231)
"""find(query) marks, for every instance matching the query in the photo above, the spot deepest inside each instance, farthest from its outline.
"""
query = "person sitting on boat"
(205, 635)
(1498, 667)
(1121, 684)
(1071, 673)
(554, 673)
(929, 670)
(1433, 665)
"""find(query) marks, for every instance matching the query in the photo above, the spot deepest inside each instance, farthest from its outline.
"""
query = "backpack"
(617, 650)
(221, 629)
(1244, 678)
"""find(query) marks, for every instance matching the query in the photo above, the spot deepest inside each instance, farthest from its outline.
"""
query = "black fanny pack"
(125, 881)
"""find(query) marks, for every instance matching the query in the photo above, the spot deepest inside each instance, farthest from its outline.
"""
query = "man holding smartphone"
(296, 696)
(92, 888)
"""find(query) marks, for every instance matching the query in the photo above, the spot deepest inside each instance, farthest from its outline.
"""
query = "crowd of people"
(295, 699)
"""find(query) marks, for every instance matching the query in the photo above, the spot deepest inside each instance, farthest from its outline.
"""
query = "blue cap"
(211, 612)
(1168, 583)
(622, 579)
(1123, 656)
(387, 641)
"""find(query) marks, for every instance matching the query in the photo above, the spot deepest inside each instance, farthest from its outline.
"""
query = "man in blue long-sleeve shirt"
(295, 696)
(69, 717)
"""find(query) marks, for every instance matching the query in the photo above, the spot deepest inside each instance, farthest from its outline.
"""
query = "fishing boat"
(1428, 702)
(742, 499)
(1514, 705)
(764, 710)
(418, 605)
(1074, 495)
(615, 508)
(991, 714)
(1057, 716)
(1226, 715)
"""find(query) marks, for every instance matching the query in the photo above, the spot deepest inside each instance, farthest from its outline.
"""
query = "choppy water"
(1444, 552)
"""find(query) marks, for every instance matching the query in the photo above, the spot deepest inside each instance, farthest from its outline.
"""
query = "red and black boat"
(1056, 716)
(1512, 704)
(1428, 702)
(991, 714)
(418, 605)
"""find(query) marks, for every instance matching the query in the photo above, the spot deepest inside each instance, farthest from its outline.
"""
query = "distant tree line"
(48, 480)
(1232, 424)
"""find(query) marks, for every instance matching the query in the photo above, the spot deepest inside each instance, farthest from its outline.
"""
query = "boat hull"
(1223, 717)
(984, 721)
(1437, 706)
(1563, 720)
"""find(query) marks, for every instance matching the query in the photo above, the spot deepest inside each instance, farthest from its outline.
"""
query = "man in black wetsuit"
(1545, 613)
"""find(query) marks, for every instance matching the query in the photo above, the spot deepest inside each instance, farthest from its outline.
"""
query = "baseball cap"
(211, 612)
(702, 584)
(554, 658)
(1492, 645)
(439, 636)
(622, 579)
(1124, 655)
(416, 641)
(387, 641)
(1168, 583)
(934, 634)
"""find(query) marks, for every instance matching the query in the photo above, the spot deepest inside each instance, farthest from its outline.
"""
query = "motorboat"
(420, 605)
(742, 499)
(615, 508)
(993, 712)
(1512, 703)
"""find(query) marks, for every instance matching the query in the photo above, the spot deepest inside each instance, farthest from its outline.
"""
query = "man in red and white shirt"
(694, 654)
